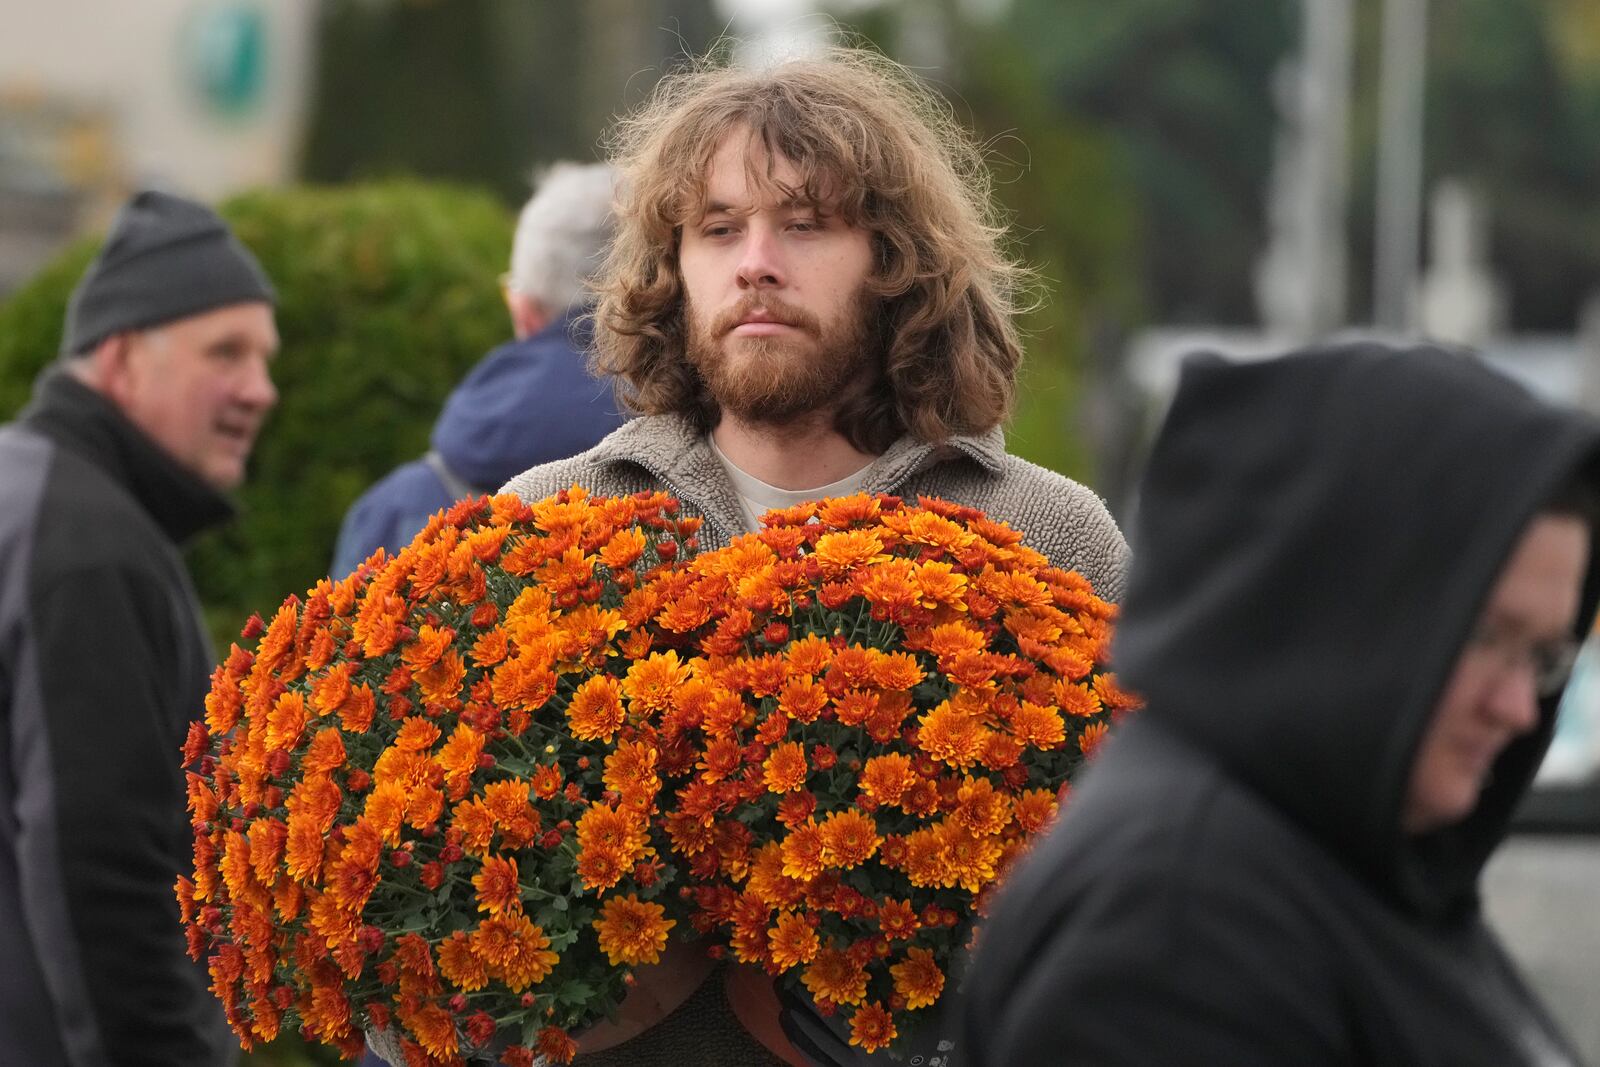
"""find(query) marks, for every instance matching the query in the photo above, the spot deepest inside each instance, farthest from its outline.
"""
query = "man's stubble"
(782, 382)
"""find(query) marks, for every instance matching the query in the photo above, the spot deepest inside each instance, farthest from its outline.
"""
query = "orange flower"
(595, 712)
(951, 735)
(938, 583)
(1035, 808)
(650, 683)
(897, 919)
(1112, 695)
(1038, 726)
(897, 670)
(355, 714)
(849, 838)
(624, 548)
(802, 851)
(514, 950)
(426, 648)
(791, 941)
(845, 550)
(834, 977)
(808, 655)
(458, 758)
(785, 768)
(886, 778)
(609, 843)
(326, 752)
(632, 931)
(981, 809)
(767, 882)
(514, 817)
(490, 648)
(971, 859)
(496, 883)
(918, 978)
(631, 770)
(871, 1027)
(287, 721)
(460, 965)
(475, 824)
(416, 735)
(441, 682)
(1090, 740)
(1076, 699)
(433, 1027)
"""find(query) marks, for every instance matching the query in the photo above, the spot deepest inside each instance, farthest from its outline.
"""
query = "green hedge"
(387, 295)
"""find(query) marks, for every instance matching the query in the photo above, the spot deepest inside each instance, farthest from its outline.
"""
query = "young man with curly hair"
(806, 296)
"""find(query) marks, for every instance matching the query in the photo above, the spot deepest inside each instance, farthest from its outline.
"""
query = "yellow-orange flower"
(459, 964)
(951, 735)
(785, 768)
(651, 683)
(632, 931)
(886, 778)
(844, 550)
(849, 838)
(791, 941)
(514, 950)
(610, 842)
(918, 978)
(416, 734)
(834, 977)
(802, 851)
(595, 712)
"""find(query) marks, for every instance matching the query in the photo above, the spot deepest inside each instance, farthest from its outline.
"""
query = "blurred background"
(1238, 174)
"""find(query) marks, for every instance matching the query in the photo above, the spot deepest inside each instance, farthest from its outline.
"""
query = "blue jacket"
(526, 403)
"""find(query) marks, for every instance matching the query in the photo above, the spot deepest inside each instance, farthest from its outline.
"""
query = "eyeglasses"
(1550, 662)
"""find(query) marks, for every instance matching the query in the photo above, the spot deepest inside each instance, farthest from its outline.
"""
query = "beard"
(782, 381)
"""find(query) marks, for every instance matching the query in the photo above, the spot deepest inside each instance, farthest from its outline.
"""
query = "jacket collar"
(673, 449)
(81, 420)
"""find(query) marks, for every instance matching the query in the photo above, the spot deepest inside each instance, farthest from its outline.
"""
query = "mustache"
(775, 310)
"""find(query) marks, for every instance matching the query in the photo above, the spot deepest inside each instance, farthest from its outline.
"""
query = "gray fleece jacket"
(1057, 516)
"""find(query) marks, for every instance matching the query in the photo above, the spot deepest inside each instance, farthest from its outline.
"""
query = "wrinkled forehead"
(745, 170)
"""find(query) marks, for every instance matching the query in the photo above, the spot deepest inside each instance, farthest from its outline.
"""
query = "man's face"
(774, 291)
(1492, 697)
(200, 387)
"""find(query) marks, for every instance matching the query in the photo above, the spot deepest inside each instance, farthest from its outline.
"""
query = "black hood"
(1315, 537)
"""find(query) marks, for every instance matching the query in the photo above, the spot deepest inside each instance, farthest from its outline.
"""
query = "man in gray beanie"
(124, 453)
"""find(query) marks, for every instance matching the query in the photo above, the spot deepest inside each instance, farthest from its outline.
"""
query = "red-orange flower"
(496, 883)
(872, 1028)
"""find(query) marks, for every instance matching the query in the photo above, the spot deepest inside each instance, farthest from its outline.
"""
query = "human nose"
(1514, 700)
(255, 388)
(760, 260)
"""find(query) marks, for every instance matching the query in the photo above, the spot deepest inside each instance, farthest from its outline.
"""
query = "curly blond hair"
(871, 142)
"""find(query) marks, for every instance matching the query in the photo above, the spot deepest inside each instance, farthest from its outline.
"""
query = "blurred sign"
(224, 55)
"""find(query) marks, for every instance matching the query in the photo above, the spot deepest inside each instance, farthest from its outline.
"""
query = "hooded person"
(1359, 577)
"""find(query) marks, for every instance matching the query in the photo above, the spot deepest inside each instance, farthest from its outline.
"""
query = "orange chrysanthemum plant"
(885, 703)
(423, 805)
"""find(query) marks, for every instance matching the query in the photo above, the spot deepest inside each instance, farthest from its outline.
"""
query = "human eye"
(717, 228)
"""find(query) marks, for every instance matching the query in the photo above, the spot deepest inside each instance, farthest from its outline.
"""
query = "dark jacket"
(1229, 883)
(103, 663)
(527, 402)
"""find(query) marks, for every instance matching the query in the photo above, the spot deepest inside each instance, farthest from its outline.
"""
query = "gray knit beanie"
(165, 258)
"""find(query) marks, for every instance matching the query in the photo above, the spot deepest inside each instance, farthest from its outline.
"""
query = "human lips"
(761, 323)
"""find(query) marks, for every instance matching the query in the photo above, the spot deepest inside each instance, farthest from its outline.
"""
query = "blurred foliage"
(387, 295)
(1181, 92)
(480, 90)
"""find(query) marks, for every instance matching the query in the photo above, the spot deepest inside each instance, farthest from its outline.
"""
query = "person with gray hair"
(530, 401)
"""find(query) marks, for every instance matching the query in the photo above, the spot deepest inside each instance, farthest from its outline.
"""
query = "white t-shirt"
(757, 497)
